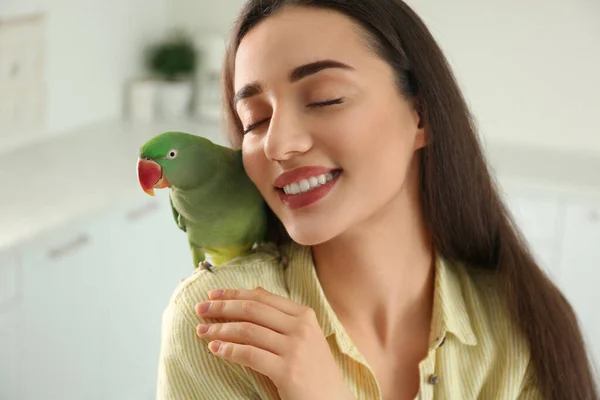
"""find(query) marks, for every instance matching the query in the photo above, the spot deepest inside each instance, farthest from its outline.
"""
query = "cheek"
(257, 165)
(377, 149)
(252, 157)
(373, 132)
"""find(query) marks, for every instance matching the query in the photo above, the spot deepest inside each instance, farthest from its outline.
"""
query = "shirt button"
(433, 379)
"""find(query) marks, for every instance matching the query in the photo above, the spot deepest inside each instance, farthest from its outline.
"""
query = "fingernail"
(204, 306)
(214, 346)
(203, 328)
(216, 294)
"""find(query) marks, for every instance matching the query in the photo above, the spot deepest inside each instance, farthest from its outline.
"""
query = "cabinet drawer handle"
(140, 212)
(61, 251)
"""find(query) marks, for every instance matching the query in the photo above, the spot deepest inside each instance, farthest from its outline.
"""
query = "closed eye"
(255, 125)
(312, 105)
(327, 103)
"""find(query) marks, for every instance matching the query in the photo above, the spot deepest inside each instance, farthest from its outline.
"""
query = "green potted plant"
(173, 61)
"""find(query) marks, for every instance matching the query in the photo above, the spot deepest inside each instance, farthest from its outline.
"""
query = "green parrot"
(212, 198)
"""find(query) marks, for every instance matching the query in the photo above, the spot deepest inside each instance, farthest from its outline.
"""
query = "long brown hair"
(461, 204)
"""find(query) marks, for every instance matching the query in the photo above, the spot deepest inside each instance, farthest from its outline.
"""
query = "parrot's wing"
(177, 216)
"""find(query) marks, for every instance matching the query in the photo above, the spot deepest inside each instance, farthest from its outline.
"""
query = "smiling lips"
(300, 173)
(150, 176)
(304, 186)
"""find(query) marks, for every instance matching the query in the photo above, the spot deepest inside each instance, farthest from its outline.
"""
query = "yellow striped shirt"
(476, 351)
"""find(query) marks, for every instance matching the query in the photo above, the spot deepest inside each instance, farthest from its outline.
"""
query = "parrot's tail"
(223, 255)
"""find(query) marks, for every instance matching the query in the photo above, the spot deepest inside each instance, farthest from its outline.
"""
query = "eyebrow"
(295, 75)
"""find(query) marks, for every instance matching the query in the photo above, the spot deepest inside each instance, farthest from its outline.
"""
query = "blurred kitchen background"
(88, 261)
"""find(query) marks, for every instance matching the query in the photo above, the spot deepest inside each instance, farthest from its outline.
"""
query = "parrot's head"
(175, 159)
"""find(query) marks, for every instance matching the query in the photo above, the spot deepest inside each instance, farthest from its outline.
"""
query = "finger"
(249, 311)
(245, 333)
(260, 360)
(281, 303)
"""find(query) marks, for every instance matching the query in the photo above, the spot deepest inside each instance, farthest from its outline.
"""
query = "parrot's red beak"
(150, 176)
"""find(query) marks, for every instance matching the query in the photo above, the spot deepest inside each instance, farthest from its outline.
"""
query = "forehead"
(292, 37)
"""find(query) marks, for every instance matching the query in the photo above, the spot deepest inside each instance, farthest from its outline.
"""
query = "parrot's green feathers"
(177, 216)
(212, 198)
(160, 145)
(187, 161)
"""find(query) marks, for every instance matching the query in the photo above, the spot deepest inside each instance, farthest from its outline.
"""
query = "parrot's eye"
(172, 154)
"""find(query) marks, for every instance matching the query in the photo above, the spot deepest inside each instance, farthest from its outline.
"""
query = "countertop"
(72, 175)
(69, 176)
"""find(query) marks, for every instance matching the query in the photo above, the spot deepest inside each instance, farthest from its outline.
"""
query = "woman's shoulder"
(186, 368)
(263, 266)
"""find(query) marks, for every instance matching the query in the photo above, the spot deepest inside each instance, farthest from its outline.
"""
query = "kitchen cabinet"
(150, 257)
(63, 312)
(580, 265)
(93, 297)
(540, 217)
(9, 280)
(9, 323)
(564, 235)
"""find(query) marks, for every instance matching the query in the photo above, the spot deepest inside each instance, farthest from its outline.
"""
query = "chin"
(310, 227)
(310, 235)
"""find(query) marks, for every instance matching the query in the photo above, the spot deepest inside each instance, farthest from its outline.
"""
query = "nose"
(287, 136)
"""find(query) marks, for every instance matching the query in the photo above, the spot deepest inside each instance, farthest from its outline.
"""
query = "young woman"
(393, 270)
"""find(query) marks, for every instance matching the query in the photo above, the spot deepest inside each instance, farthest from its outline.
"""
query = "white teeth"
(294, 188)
(305, 185)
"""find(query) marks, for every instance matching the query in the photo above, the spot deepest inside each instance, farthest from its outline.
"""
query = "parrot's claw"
(206, 265)
(284, 260)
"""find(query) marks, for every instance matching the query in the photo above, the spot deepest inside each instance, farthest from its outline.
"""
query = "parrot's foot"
(284, 260)
(206, 265)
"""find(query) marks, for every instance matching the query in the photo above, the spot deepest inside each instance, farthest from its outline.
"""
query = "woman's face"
(320, 108)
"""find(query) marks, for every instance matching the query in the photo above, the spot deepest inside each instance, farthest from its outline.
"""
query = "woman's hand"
(275, 337)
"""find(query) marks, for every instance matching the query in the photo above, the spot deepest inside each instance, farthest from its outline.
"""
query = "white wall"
(92, 49)
(529, 69)
(204, 15)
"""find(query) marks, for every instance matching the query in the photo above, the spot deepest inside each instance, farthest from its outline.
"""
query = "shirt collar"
(450, 313)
